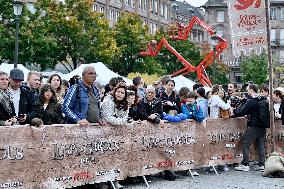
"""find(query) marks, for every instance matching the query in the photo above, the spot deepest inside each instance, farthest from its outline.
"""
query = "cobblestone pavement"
(231, 179)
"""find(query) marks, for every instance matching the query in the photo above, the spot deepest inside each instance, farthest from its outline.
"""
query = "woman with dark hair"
(183, 92)
(48, 108)
(7, 111)
(115, 106)
(56, 82)
(169, 97)
(277, 99)
(202, 101)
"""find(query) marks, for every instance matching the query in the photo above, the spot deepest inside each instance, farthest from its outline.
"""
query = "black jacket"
(172, 98)
(51, 115)
(27, 102)
(251, 109)
(4, 115)
(145, 109)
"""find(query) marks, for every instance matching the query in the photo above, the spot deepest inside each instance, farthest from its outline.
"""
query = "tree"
(130, 35)
(56, 30)
(255, 68)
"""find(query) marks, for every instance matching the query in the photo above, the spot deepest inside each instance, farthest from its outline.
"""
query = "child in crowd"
(191, 109)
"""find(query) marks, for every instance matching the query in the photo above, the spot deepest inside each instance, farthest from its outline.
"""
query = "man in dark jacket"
(255, 130)
(21, 96)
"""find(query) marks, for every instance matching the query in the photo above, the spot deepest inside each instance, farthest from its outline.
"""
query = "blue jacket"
(193, 112)
(75, 106)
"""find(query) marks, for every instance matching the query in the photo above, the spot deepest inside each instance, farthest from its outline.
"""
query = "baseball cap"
(17, 74)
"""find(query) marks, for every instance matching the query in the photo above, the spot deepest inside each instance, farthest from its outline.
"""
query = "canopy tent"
(104, 74)
(8, 67)
(182, 81)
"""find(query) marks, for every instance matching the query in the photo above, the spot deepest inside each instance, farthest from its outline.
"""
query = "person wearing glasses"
(82, 102)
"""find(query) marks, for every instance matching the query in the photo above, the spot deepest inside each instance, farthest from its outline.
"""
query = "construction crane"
(182, 33)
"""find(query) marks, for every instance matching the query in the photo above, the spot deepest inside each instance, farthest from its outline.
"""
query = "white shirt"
(215, 103)
(15, 95)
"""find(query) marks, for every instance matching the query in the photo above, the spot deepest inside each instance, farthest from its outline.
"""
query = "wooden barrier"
(65, 156)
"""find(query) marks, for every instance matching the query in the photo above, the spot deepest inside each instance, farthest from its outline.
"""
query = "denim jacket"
(75, 106)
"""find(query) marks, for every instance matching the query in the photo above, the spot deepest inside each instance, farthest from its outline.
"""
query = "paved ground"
(231, 179)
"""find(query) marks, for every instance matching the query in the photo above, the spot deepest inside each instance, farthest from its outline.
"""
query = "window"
(118, 1)
(95, 7)
(273, 36)
(220, 33)
(166, 11)
(281, 56)
(220, 16)
(144, 5)
(117, 14)
(102, 9)
(132, 3)
(151, 5)
(111, 15)
(273, 14)
(162, 9)
(140, 4)
(238, 77)
(282, 36)
(282, 13)
(156, 6)
(126, 2)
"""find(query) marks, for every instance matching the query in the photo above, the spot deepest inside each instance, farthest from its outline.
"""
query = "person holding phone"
(7, 111)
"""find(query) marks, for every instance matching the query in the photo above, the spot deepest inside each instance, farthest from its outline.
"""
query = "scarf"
(5, 101)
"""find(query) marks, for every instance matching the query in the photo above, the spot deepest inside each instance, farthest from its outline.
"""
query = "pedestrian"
(21, 96)
(255, 129)
(169, 98)
(115, 106)
(7, 111)
(48, 108)
(56, 82)
(82, 101)
(150, 108)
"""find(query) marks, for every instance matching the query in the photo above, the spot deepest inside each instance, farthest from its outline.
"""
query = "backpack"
(264, 115)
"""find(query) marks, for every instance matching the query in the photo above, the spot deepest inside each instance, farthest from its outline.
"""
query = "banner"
(66, 156)
(248, 27)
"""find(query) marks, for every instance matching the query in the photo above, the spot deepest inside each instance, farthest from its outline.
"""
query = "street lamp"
(18, 6)
(214, 43)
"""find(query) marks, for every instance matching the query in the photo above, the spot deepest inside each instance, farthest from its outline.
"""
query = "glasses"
(93, 73)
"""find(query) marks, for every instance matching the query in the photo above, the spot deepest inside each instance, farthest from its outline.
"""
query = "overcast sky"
(195, 3)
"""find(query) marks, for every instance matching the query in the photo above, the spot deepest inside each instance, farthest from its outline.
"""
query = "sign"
(248, 27)
(66, 156)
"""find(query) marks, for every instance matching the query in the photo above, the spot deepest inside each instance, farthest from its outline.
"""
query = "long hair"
(121, 104)
(46, 87)
(60, 86)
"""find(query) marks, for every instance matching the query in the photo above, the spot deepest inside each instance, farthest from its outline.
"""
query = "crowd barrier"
(65, 156)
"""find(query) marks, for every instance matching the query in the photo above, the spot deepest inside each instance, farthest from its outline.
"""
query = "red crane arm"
(153, 50)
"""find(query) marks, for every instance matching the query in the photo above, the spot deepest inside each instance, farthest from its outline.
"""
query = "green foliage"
(56, 30)
(130, 35)
(218, 73)
(255, 68)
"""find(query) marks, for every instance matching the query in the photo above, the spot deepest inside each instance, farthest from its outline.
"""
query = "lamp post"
(18, 6)
(214, 43)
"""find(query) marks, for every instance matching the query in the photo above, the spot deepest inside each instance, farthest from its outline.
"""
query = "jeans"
(254, 133)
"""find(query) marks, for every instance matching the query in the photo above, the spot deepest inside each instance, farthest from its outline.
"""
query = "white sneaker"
(226, 168)
(194, 173)
(117, 185)
(259, 168)
(242, 167)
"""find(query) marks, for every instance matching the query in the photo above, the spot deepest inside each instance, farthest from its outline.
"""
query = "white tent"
(8, 67)
(182, 81)
(104, 74)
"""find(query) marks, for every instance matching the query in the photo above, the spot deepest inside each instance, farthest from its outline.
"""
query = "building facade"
(182, 12)
(155, 13)
(216, 15)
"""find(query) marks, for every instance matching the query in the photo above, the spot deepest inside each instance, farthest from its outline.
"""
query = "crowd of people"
(83, 101)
